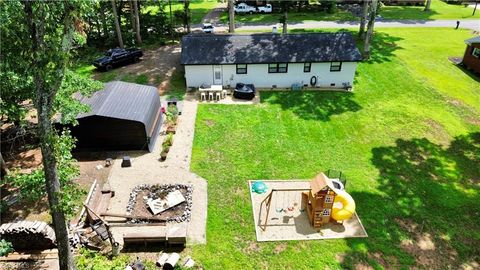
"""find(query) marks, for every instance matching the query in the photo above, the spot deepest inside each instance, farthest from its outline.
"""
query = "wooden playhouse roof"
(319, 182)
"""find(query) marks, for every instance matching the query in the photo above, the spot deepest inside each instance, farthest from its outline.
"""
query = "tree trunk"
(231, 16)
(4, 169)
(427, 5)
(117, 24)
(370, 25)
(52, 182)
(132, 16)
(44, 104)
(171, 17)
(475, 8)
(284, 20)
(104, 22)
(186, 15)
(137, 22)
(363, 20)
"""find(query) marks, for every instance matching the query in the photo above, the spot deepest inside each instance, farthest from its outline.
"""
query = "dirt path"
(214, 15)
(158, 65)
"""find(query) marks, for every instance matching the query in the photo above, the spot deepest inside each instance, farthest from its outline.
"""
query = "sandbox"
(292, 223)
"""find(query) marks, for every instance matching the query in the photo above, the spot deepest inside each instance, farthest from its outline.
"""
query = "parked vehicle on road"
(243, 8)
(118, 57)
(208, 28)
(265, 9)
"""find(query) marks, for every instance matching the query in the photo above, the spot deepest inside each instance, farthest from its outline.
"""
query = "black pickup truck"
(118, 57)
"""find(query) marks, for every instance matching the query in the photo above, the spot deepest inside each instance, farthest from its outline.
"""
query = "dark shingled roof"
(198, 49)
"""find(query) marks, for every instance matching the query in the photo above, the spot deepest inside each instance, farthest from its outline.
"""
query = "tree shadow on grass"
(428, 214)
(313, 105)
(383, 47)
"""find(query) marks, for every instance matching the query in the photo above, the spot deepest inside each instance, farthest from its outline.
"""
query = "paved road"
(467, 24)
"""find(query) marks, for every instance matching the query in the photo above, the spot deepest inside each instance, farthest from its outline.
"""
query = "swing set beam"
(268, 201)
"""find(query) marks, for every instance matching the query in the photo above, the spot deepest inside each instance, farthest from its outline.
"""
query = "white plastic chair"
(210, 95)
(203, 96)
(218, 96)
(224, 93)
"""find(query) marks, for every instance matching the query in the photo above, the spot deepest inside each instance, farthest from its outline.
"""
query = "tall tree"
(231, 16)
(102, 18)
(370, 25)
(132, 16)
(137, 22)
(363, 19)
(284, 17)
(36, 37)
(427, 5)
(186, 15)
(49, 50)
(117, 24)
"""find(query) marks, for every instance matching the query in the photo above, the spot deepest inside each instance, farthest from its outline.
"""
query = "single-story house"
(122, 116)
(471, 58)
(270, 60)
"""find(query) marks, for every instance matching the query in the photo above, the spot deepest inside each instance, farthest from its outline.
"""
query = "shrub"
(5, 247)
(32, 185)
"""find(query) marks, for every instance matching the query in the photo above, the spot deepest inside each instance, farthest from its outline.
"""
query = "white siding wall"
(258, 75)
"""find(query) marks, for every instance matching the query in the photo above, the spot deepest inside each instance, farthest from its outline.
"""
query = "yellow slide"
(348, 206)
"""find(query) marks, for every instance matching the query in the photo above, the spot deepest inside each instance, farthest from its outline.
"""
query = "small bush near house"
(5, 247)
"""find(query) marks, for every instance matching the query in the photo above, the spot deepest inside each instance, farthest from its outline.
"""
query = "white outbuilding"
(323, 60)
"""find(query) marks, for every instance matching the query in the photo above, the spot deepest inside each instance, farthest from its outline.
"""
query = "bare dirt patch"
(209, 122)
(157, 64)
(429, 252)
(437, 131)
(252, 247)
(280, 248)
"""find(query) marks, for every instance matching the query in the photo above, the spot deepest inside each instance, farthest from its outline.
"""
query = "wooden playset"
(324, 202)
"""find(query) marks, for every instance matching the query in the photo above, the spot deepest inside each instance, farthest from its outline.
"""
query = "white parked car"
(265, 9)
(208, 28)
(244, 9)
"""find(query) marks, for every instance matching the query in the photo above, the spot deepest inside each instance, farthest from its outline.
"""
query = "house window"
(242, 69)
(326, 212)
(307, 67)
(476, 52)
(328, 199)
(335, 66)
(278, 68)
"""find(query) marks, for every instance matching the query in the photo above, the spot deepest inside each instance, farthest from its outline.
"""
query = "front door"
(217, 75)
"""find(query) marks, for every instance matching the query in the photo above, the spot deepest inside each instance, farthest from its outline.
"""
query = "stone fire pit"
(141, 194)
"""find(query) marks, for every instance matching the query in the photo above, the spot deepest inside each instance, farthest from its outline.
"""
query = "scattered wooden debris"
(28, 235)
(161, 204)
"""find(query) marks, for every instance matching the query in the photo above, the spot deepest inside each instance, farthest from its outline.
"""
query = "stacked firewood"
(28, 235)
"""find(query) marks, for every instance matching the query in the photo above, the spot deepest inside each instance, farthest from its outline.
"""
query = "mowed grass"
(411, 156)
(293, 16)
(198, 9)
(438, 10)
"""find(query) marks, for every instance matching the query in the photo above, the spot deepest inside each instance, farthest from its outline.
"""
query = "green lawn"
(198, 8)
(439, 10)
(293, 16)
(407, 140)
